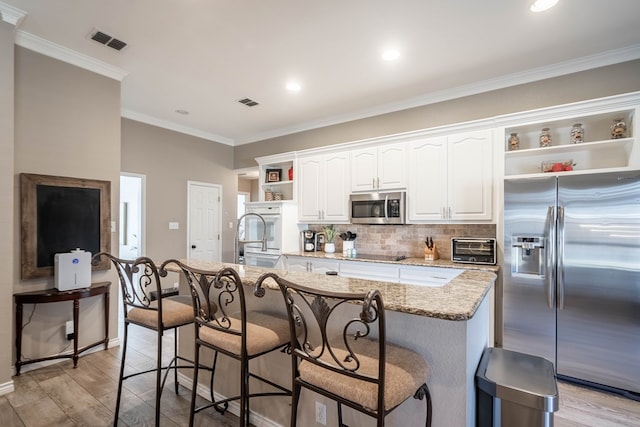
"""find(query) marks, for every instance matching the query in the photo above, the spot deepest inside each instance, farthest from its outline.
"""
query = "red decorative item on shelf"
(291, 173)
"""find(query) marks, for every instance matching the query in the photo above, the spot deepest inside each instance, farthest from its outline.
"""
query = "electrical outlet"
(68, 327)
(321, 413)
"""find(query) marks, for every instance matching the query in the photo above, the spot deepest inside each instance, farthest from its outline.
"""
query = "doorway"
(131, 236)
(204, 222)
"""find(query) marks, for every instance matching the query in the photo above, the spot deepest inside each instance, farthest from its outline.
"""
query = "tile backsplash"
(408, 240)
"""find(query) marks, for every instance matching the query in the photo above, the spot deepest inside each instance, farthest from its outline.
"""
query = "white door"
(131, 220)
(204, 226)
(364, 169)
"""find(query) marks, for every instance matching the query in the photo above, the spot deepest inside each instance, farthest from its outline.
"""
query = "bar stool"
(231, 330)
(339, 350)
(138, 279)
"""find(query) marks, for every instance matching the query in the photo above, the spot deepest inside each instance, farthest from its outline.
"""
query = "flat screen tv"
(59, 214)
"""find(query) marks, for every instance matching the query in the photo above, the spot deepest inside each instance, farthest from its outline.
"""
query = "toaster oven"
(473, 250)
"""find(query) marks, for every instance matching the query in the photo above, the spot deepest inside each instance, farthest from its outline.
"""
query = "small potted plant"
(330, 233)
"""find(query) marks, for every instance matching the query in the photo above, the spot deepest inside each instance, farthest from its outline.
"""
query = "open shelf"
(599, 153)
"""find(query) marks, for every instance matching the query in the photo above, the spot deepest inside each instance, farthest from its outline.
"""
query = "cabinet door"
(470, 176)
(336, 187)
(364, 165)
(322, 266)
(309, 182)
(296, 263)
(427, 193)
(392, 166)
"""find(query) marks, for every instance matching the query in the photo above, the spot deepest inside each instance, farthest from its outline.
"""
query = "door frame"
(204, 184)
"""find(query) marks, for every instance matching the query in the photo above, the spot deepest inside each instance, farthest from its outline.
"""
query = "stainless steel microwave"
(378, 208)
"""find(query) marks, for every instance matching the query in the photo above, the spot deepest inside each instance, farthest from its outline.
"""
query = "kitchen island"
(448, 325)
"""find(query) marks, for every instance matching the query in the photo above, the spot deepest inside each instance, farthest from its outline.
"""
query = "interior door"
(204, 225)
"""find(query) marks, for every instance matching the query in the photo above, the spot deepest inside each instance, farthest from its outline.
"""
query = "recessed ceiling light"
(294, 86)
(542, 5)
(183, 112)
(390, 55)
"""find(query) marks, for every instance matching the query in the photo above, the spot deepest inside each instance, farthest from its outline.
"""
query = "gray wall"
(170, 159)
(67, 123)
(6, 202)
(596, 83)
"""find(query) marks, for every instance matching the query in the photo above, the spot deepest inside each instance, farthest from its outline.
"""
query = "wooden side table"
(53, 295)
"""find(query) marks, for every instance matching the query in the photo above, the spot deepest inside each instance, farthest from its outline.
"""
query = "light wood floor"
(59, 395)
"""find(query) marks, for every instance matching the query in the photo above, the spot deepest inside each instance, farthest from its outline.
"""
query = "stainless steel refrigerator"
(571, 290)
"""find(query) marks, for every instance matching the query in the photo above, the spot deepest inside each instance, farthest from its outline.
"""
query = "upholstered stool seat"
(405, 372)
(264, 332)
(176, 311)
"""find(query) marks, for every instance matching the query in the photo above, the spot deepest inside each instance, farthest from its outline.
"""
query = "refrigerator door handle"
(560, 257)
(550, 271)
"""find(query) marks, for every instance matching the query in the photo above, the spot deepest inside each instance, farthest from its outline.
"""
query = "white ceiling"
(204, 55)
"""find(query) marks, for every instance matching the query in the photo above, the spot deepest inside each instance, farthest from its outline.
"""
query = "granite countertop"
(420, 262)
(457, 300)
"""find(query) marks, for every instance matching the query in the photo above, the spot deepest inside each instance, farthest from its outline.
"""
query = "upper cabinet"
(606, 142)
(323, 188)
(276, 178)
(379, 168)
(451, 178)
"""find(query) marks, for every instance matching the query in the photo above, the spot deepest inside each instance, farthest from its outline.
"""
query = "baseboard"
(257, 420)
(6, 388)
(114, 342)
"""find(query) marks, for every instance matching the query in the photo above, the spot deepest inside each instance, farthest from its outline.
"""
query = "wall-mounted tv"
(59, 214)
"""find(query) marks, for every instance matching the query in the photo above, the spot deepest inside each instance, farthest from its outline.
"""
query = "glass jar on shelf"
(618, 129)
(514, 142)
(545, 138)
(576, 135)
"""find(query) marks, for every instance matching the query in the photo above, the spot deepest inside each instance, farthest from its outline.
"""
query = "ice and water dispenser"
(528, 255)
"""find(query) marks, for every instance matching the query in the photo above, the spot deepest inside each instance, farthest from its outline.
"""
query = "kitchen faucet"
(238, 241)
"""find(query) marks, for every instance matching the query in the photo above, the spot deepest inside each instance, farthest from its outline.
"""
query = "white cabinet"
(323, 188)
(369, 271)
(451, 178)
(428, 276)
(312, 265)
(599, 151)
(379, 168)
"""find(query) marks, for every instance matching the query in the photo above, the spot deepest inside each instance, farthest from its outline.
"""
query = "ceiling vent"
(107, 40)
(248, 102)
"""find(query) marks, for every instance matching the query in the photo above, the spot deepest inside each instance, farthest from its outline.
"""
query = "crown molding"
(139, 117)
(56, 51)
(611, 57)
(11, 15)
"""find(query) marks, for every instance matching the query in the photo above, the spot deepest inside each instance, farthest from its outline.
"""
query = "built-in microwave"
(378, 208)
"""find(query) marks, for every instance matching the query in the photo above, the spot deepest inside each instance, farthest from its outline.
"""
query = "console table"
(53, 295)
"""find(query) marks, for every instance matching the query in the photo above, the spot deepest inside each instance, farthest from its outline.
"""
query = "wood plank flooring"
(59, 395)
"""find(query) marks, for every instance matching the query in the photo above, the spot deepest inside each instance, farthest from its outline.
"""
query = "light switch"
(113, 226)
(174, 226)
(230, 224)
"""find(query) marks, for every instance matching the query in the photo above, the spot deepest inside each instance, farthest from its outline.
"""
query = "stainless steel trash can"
(515, 389)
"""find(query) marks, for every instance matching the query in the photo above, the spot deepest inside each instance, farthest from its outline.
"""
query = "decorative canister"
(576, 135)
(618, 129)
(277, 196)
(514, 142)
(268, 196)
(545, 138)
